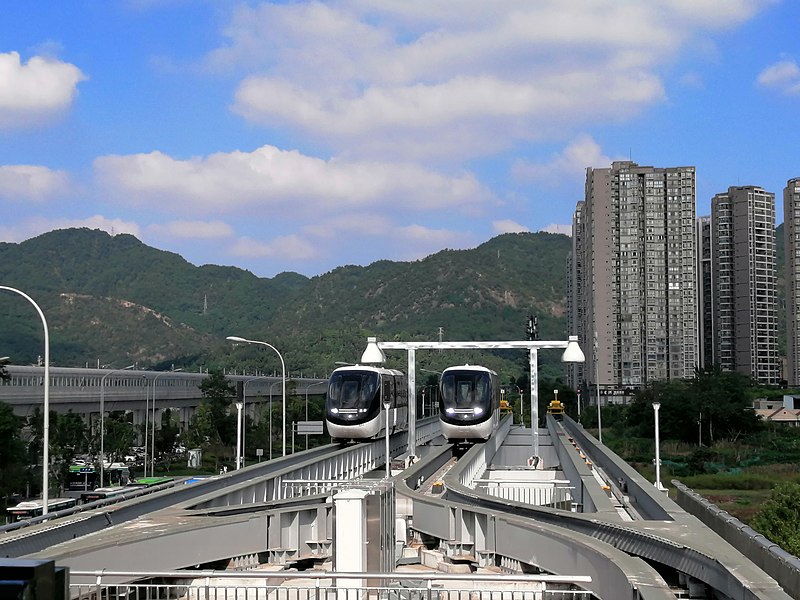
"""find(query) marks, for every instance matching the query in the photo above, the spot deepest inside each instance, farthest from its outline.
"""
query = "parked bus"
(103, 493)
(33, 508)
(85, 478)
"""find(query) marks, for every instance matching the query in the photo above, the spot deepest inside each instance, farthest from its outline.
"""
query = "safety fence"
(263, 585)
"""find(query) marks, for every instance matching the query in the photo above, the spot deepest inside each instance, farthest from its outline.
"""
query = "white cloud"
(583, 152)
(453, 79)
(32, 182)
(27, 229)
(362, 224)
(204, 230)
(508, 226)
(36, 90)
(783, 76)
(289, 247)
(415, 242)
(270, 178)
(558, 228)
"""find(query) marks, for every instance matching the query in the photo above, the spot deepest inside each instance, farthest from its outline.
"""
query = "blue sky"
(302, 136)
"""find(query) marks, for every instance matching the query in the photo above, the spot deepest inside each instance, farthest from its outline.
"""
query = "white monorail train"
(469, 403)
(355, 403)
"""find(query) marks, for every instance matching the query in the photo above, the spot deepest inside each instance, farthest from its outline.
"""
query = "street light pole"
(659, 487)
(46, 416)
(234, 338)
(597, 388)
(387, 404)
(103, 422)
(239, 406)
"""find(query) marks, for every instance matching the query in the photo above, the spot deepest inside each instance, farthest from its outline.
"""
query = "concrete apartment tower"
(705, 296)
(791, 232)
(634, 303)
(745, 287)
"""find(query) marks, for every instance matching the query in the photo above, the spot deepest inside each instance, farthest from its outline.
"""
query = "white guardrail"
(261, 585)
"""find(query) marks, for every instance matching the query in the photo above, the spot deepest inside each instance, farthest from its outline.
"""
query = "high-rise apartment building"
(744, 293)
(705, 285)
(634, 295)
(791, 232)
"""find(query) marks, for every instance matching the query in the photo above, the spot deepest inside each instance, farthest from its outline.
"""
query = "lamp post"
(597, 388)
(659, 487)
(521, 405)
(103, 423)
(234, 338)
(153, 433)
(46, 416)
(239, 406)
(272, 385)
(430, 399)
(307, 388)
(387, 404)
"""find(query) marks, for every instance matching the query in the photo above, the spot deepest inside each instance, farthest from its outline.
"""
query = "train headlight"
(477, 410)
(450, 410)
(361, 411)
(334, 411)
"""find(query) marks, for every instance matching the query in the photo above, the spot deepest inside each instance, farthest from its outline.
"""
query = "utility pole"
(532, 327)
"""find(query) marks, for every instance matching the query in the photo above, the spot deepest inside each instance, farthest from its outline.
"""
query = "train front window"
(465, 392)
(352, 391)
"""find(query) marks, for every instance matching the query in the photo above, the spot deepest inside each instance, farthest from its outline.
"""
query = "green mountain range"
(112, 300)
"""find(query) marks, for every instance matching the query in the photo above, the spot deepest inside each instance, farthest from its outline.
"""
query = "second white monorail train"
(469, 403)
(354, 406)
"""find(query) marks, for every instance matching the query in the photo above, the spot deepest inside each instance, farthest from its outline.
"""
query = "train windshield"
(352, 390)
(466, 391)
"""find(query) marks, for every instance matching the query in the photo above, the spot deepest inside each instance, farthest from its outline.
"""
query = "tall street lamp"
(153, 433)
(103, 423)
(307, 388)
(46, 416)
(239, 406)
(659, 487)
(387, 404)
(234, 338)
(521, 405)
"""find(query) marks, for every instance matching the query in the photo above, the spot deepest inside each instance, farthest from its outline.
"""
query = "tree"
(218, 394)
(12, 453)
(120, 435)
(779, 519)
(723, 400)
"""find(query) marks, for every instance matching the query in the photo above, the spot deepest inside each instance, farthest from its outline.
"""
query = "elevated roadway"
(82, 391)
(280, 513)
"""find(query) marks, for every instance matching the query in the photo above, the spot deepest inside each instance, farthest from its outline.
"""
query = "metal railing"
(282, 585)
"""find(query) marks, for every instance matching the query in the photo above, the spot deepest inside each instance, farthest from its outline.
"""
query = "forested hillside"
(114, 300)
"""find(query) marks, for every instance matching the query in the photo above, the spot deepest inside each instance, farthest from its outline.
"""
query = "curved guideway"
(677, 544)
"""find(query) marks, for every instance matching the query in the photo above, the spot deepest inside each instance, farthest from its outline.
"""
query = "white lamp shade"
(373, 353)
(573, 352)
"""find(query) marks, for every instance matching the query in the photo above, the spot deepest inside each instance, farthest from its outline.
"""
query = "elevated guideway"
(283, 516)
